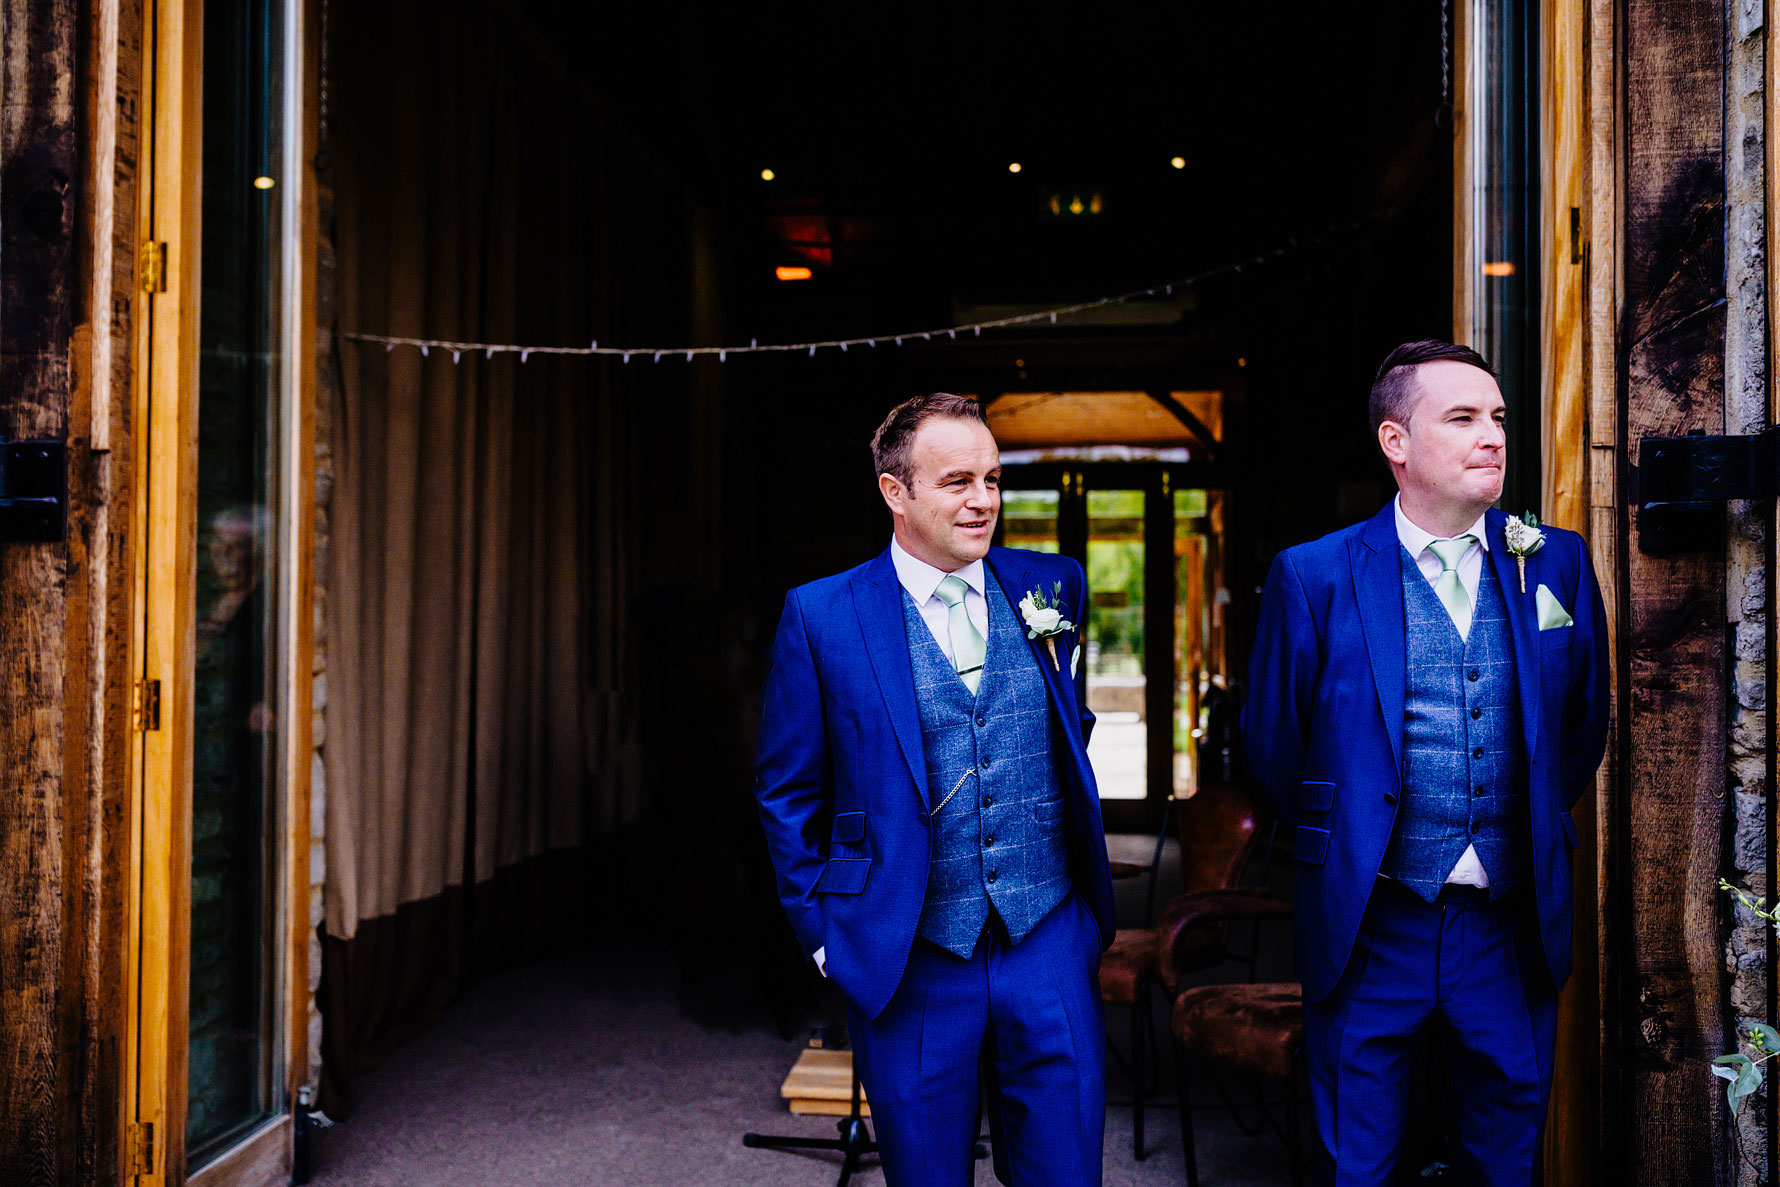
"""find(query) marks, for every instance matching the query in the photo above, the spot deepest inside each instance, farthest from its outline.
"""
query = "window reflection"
(233, 1039)
(1504, 226)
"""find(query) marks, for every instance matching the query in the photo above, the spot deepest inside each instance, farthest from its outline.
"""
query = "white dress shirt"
(921, 579)
(1469, 871)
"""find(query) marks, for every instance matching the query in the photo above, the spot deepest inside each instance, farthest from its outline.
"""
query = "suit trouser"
(1028, 1015)
(1471, 967)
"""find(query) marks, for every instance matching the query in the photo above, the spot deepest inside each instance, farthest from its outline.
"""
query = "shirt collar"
(921, 578)
(1415, 540)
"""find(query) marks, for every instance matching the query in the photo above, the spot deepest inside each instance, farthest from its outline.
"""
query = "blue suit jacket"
(1323, 725)
(842, 777)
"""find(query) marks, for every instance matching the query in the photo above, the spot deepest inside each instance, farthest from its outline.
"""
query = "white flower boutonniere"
(1524, 539)
(1044, 618)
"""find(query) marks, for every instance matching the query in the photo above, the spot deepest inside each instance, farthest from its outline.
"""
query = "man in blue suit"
(1424, 712)
(924, 783)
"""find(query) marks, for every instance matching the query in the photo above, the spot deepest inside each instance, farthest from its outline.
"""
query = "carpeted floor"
(584, 1070)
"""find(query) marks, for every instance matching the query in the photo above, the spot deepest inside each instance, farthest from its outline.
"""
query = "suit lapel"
(1378, 591)
(1523, 616)
(1062, 689)
(877, 599)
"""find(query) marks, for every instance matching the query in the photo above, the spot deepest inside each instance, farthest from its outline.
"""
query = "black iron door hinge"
(1682, 484)
(33, 491)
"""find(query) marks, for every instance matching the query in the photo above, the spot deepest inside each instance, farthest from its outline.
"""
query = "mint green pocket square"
(1551, 611)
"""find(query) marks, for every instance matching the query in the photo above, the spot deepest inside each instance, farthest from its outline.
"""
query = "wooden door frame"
(162, 648)
(1579, 218)
(164, 522)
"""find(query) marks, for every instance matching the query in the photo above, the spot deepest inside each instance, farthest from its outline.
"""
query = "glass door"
(217, 411)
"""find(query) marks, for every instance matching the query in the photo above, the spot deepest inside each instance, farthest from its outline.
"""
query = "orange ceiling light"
(792, 272)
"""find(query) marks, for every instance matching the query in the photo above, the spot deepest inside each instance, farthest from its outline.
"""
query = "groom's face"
(1452, 452)
(946, 514)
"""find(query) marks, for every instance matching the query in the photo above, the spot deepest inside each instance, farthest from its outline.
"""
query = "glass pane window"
(1205, 738)
(1029, 519)
(1504, 163)
(236, 726)
(1114, 648)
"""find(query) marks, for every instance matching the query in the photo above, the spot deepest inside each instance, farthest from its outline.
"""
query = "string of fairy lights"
(656, 354)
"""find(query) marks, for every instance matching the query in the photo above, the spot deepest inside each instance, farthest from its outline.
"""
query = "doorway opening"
(1130, 485)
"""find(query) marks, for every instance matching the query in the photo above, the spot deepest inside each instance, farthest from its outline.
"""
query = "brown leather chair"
(1253, 1029)
(1218, 832)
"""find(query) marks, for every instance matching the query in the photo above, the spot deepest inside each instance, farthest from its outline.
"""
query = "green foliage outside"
(1743, 1069)
(1115, 568)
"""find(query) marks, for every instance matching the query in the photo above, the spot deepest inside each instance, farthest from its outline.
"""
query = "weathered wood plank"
(1571, 1129)
(96, 748)
(1601, 223)
(38, 166)
(1669, 986)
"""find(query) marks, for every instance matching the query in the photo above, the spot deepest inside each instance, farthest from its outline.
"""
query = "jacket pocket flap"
(1312, 845)
(849, 828)
(1048, 809)
(1316, 796)
(1569, 830)
(843, 875)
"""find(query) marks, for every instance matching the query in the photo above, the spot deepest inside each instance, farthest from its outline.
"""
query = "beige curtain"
(473, 718)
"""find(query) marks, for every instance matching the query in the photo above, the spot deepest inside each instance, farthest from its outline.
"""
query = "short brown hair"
(891, 444)
(1393, 391)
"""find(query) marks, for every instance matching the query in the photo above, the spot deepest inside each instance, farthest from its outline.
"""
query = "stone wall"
(1747, 545)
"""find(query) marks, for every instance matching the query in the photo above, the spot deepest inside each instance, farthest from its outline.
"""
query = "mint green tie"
(968, 651)
(1447, 587)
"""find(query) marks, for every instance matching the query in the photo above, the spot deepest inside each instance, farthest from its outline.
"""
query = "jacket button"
(985, 764)
(988, 801)
(990, 876)
(989, 841)
(1481, 791)
(924, 820)
(1473, 674)
(981, 720)
(1477, 752)
(1477, 826)
(1390, 797)
(1476, 713)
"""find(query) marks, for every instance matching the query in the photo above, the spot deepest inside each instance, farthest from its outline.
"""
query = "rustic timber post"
(67, 275)
(1663, 943)
(37, 206)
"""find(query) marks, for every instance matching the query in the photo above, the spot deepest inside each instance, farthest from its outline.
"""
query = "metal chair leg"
(1139, 1086)
(1188, 1151)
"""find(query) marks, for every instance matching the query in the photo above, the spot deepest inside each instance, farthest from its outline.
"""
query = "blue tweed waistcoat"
(999, 839)
(1463, 778)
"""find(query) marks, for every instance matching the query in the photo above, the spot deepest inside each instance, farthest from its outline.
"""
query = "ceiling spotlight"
(1013, 167)
(263, 183)
(767, 175)
(1499, 268)
(1178, 162)
(792, 272)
